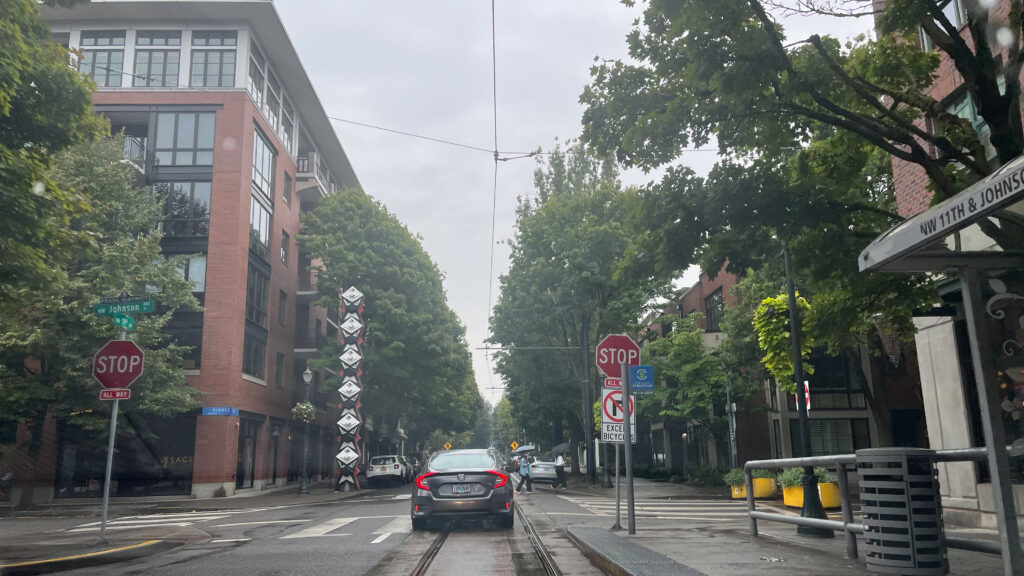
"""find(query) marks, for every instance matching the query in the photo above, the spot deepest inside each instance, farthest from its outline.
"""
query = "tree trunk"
(875, 392)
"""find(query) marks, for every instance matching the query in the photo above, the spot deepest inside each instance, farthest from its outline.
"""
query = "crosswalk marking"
(699, 510)
(400, 524)
(403, 497)
(260, 523)
(178, 519)
(322, 529)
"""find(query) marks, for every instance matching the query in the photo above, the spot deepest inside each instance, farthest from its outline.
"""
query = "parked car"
(386, 469)
(462, 483)
(414, 463)
(543, 471)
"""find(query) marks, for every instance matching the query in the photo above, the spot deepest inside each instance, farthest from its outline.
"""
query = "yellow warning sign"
(514, 445)
(447, 445)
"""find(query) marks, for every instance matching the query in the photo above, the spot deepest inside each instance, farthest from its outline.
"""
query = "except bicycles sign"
(613, 412)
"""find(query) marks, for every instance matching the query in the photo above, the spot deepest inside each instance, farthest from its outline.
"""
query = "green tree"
(417, 365)
(47, 344)
(44, 108)
(569, 241)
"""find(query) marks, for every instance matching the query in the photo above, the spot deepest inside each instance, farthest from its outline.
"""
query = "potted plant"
(736, 482)
(304, 412)
(764, 483)
(791, 481)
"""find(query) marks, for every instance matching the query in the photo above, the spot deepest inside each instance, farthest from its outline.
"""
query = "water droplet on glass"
(1004, 37)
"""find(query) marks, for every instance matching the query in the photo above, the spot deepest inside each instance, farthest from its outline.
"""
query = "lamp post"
(307, 377)
(812, 503)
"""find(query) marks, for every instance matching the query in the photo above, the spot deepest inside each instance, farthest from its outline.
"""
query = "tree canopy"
(569, 240)
(417, 364)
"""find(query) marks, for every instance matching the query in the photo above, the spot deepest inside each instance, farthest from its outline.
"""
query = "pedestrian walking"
(560, 472)
(524, 474)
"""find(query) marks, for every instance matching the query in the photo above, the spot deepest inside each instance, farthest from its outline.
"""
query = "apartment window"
(194, 270)
(273, 104)
(254, 352)
(714, 311)
(285, 246)
(102, 56)
(279, 371)
(286, 194)
(256, 295)
(263, 166)
(835, 384)
(955, 13)
(213, 58)
(831, 436)
(259, 229)
(257, 74)
(157, 55)
(282, 308)
(287, 123)
(184, 138)
(186, 208)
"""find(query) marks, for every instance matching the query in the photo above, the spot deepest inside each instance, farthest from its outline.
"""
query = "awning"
(981, 227)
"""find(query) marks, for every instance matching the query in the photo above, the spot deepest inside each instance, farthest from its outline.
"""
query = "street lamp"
(307, 377)
(812, 503)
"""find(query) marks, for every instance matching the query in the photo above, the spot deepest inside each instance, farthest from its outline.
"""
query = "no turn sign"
(613, 412)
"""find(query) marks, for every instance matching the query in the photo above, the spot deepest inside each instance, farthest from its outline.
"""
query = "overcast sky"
(426, 68)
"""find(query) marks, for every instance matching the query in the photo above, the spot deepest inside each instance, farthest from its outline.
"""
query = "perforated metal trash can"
(902, 508)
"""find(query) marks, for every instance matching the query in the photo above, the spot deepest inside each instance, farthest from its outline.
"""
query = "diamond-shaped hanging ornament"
(351, 356)
(348, 422)
(351, 325)
(347, 456)
(352, 295)
(349, 388)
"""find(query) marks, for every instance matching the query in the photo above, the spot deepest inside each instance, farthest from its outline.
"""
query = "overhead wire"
(494, 194)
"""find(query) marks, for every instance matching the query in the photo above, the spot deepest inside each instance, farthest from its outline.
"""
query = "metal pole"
(618, 492)
(844, 493)
(627, 442)
(812, 502)
(995, 437)
(110, 462)
(588, 399)
(304, 487)
(730, 409)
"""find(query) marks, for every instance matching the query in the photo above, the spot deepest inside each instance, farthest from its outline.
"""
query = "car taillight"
(502, 479)
(419, 481)
(396, 466)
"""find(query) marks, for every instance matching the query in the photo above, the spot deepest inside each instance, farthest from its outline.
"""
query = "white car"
(390, 468)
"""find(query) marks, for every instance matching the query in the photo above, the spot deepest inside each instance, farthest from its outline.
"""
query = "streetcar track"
(428, 556)
(547, 562)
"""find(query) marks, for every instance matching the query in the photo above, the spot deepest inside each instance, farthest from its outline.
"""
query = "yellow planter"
(763, 488)
(827, 492)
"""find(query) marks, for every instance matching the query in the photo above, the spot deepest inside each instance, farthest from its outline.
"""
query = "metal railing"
(307, 281)
(309, 339)
(847, 525)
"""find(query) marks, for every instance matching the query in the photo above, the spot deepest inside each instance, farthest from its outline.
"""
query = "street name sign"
(118, 364)
(114, 308)
(613, 414)
(126, 322)
(613, 351)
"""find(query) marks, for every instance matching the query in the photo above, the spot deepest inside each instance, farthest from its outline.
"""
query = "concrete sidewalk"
(708, 547)
(30, 545)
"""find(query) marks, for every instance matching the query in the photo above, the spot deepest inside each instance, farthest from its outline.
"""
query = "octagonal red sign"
(613, 351)
(118, 364)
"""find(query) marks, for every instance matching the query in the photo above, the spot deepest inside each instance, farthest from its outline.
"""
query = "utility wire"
(494, 194)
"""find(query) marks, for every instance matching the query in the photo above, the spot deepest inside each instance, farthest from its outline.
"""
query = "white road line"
(381, 538)
(400, 524)
(153, 521)
(323, 529)
(126, 527)
(403, 497)
(259, 523)
(231, 540)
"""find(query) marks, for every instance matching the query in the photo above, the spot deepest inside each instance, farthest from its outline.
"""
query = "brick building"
(947, 383)
(221, 119)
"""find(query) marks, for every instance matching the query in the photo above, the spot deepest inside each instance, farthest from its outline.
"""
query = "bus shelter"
(977, 237)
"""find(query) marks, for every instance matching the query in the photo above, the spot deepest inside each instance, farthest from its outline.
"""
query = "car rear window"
(380, 461)
(460, 461)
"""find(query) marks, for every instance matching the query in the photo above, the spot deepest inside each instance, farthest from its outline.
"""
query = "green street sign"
(126, 322)
(114, 308)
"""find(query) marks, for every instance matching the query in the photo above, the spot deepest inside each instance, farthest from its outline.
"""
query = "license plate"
(383, 468)
(461, 489)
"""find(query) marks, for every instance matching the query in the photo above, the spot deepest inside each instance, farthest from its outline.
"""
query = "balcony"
(312, 179)
(308, 343)
(306, 290)
(135, 153)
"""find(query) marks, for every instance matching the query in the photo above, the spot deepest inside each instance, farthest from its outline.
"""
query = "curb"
(594, 555)
(99, 558)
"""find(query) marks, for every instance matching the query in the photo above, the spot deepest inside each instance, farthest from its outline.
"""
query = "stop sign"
(613, 351)
(117, 364)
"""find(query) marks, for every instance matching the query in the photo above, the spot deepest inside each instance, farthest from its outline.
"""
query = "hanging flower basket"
(303, 412)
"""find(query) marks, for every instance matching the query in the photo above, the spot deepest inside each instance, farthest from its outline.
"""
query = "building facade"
(948, 387)
(221, 120)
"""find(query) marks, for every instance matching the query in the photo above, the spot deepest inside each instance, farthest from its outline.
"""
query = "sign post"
(627, 442)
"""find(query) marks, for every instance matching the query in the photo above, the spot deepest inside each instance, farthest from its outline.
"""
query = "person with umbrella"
(560, 465)
(524, 469)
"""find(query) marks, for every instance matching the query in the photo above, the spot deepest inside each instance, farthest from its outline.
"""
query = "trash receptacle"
(902, 508)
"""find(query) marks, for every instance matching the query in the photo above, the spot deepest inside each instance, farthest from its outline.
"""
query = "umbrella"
(559, 449)
(526, 448)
